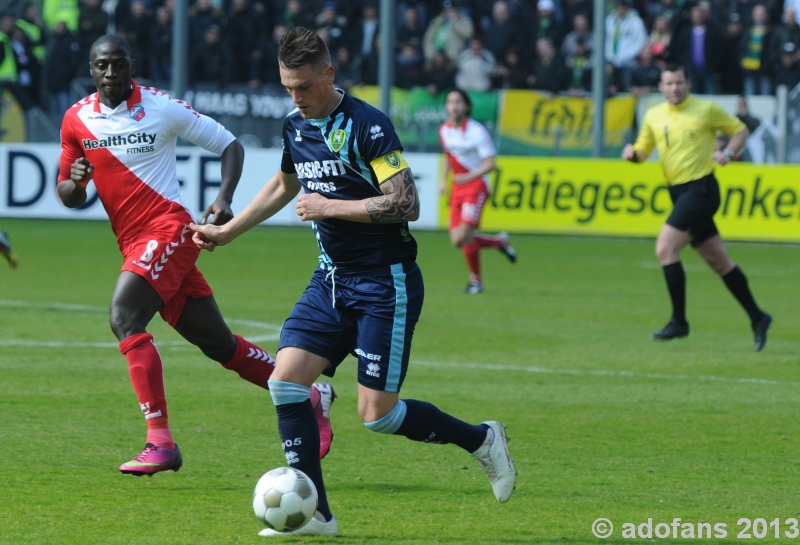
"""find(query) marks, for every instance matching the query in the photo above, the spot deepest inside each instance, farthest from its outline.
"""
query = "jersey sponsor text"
(119, 140)
(318, 169)
(327, 187)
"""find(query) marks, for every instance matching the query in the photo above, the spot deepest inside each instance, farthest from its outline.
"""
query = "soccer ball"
(285, 499)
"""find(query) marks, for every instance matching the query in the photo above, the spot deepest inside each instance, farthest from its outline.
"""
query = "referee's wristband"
(730, 153)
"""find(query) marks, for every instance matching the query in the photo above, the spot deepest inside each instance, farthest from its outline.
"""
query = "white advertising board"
(28, 174)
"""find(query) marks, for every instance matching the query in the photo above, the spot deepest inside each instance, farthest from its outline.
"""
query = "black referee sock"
(676, 285)
(426, 423)
(737, 284)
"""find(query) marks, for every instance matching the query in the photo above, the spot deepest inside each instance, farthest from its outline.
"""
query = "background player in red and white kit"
(124, 138)
(470, 156)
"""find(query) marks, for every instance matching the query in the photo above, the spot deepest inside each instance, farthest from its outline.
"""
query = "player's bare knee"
(123, 325)
(666, 254)
(461, 236)
(720, 266)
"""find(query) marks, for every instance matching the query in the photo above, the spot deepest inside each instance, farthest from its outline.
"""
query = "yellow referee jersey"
(686, 137)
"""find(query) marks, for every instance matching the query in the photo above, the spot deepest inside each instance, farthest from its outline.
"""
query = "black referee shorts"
(693, 207)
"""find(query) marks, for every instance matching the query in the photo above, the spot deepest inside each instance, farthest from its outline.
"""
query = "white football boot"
(496, 462)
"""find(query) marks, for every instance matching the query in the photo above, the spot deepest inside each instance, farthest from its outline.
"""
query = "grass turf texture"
(604, 421)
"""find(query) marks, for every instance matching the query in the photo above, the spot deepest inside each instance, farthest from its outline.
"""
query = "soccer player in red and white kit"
(470, 156)
(124, 138)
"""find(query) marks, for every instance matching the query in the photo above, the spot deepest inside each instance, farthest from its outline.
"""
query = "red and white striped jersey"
(132, 148)
(466, 146)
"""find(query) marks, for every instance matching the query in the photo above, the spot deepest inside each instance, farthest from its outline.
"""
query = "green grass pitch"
(604, 422)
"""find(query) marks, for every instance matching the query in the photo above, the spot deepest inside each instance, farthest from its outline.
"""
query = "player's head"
(307, 73)
(458, 104)
(674, 83)
(301, 46)
(111, 66)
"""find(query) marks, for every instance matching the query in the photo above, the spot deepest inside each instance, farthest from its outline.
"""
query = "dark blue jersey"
(333, 157)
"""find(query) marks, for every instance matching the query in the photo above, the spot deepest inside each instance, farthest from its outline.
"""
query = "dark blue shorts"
(694, 206)
(373, 318)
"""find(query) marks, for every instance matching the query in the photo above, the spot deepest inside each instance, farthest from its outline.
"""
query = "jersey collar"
(323, 121)
(683, 104)
(133, 99)
(338, 104)
(449, 124)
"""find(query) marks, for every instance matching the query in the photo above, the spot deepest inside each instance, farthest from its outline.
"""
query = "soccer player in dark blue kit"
(366, 295)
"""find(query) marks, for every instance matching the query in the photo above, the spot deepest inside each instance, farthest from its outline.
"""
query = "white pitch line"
(52, 305)
(275, 329)
(702, 267)
(607, 373)
(272, 336)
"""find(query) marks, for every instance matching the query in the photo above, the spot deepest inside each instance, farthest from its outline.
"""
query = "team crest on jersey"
(392, 159)
(137, 113)
(337, 140)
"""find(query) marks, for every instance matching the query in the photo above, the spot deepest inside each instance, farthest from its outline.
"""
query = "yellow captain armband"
(388, 165)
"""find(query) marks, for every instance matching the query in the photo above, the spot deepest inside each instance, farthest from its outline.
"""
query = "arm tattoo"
(399, 202)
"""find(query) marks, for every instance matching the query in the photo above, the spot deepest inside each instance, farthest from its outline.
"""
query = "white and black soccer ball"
(285, 499)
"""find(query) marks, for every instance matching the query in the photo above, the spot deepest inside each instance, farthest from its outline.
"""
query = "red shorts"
(165, 256)
(467, 202)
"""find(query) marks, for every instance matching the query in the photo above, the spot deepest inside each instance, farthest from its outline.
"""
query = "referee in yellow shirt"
(684, 129)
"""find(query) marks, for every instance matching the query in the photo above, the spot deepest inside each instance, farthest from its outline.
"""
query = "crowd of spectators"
(742, 47)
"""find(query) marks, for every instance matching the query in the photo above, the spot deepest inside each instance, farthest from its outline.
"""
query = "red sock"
(472, 253)
(492, 241)
(147, 378)
(252, 363)
(160, 436)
